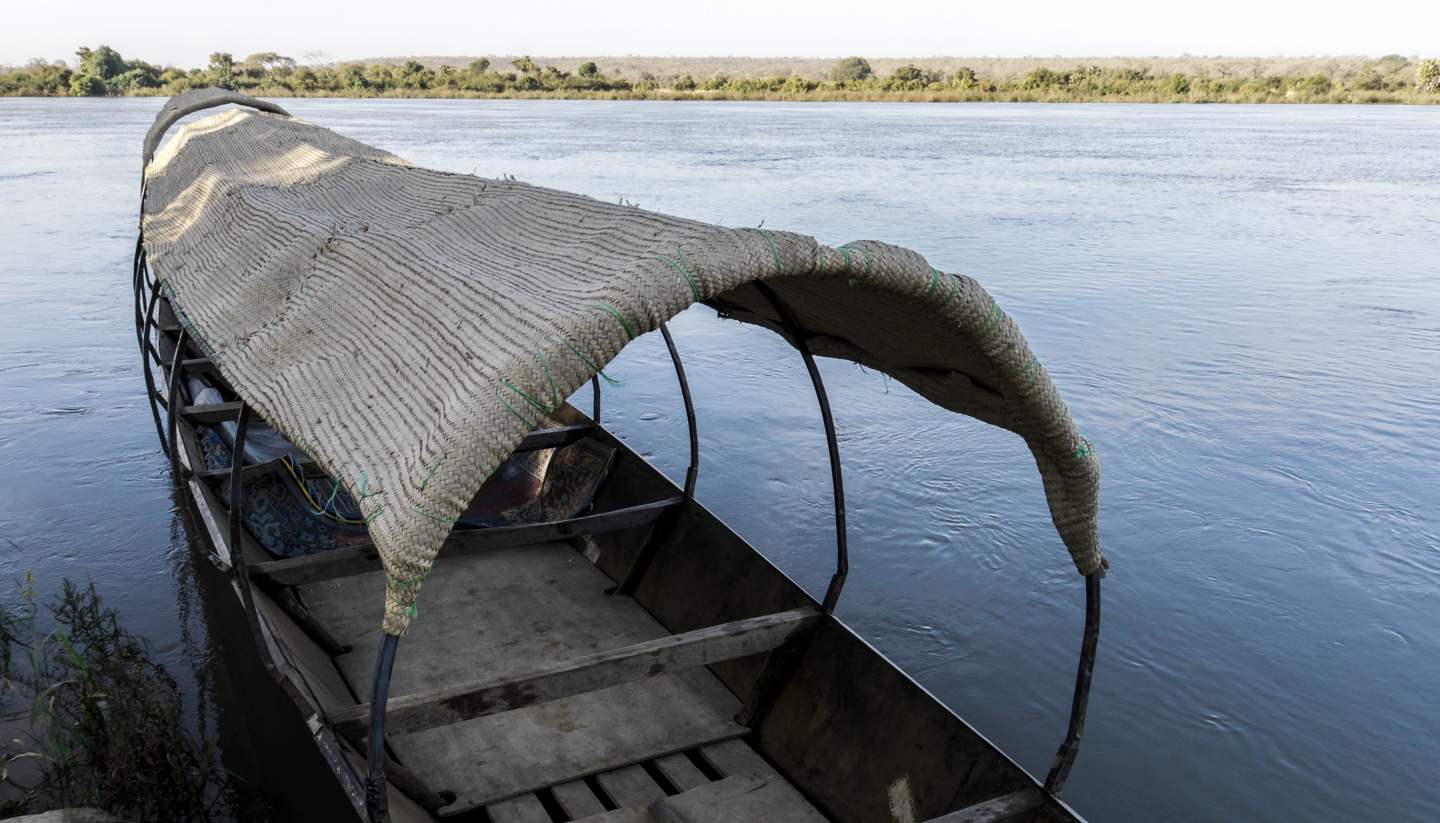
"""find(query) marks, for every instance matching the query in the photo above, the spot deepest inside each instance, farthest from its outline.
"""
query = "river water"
(1240, 304)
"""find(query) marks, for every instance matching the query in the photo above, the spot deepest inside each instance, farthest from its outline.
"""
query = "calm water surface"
(1240, 304)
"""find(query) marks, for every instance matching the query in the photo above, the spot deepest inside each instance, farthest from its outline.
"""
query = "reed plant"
(106, 723)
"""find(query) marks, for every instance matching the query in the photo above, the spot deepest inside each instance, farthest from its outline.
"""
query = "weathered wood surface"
(206, 506)
(555, 438)
(651, 658)
(523, 809)
(577, 800)
(852, 724)
(630, 786)
(199, 365)
(737, 799)
(678, 769)
(992, 811)
(212, 412)
(317, 676)
(361, 558)
(777, 801)
(741, 798)
(502, 613)
(495, 757)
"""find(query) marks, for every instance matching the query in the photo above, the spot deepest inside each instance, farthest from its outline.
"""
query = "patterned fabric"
(283, 520)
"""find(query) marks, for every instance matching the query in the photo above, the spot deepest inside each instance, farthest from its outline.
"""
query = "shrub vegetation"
(106, 722)
(1391, 79)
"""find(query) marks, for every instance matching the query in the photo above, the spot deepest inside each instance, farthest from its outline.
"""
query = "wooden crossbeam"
(212, 413)
(555, 438)
(363, 558)
(591, 672)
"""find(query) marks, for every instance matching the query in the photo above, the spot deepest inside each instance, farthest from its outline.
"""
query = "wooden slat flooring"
(779, 801)
(630, 786)
(577, 800)
(523, 809)
(991, 811)
(678, 769)
(754, 792)
(503, 612)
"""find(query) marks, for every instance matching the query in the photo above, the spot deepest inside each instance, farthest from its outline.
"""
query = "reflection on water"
(1238, 303)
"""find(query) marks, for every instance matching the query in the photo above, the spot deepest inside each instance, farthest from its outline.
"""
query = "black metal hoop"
(837, 482)
(1065, 757)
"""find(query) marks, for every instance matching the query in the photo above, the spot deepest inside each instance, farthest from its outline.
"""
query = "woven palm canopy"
(407, 327)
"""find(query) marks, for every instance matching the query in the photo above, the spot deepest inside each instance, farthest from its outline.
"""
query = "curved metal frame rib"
(842, 549)
(1065, 757)
(147, 351)
(173, 406)
(666, 526)
(377, 801)
(192, 101)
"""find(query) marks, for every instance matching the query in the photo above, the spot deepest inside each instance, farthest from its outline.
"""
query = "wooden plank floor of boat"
(602, 754)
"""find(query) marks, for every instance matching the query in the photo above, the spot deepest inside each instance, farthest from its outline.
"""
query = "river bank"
(102, 72)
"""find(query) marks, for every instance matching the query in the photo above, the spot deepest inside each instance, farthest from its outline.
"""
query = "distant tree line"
(104, 72)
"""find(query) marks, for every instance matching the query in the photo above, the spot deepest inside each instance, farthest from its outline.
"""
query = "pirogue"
(359, 369)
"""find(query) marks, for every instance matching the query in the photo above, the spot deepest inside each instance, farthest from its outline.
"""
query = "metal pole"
(377, 802)
(1065, 757)
(237, 519)
(145, 353)
(173, 405)
(595, 392)
(694, 468)
(137, 266)
(665, 526)
(842, 551)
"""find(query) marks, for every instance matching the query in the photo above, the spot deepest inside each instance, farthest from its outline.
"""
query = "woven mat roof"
(407, 327)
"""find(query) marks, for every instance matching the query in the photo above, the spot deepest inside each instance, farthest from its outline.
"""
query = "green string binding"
(615, 313)
(774, 249)
(678, 264)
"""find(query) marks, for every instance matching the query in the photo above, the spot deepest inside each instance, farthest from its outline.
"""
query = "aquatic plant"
(106, 722)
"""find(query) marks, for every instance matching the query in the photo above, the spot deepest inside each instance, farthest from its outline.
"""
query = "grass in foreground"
(106, 721)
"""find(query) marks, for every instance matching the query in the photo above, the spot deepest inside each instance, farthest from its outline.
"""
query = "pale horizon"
(184, 34)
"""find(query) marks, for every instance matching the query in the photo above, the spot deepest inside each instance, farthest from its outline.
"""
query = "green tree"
(414, 75)
(525, 65)
(1315, 85)
(851, 70)
(478, 67)
(222, 69)
(589, 70)
(684, 83)
(86, 85)
(1040, 78)
(271, 62)
(352, 76)
(104, 62)
(1427, 76)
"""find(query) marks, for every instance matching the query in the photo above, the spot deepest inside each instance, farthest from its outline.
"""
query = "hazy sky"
(184, 32)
